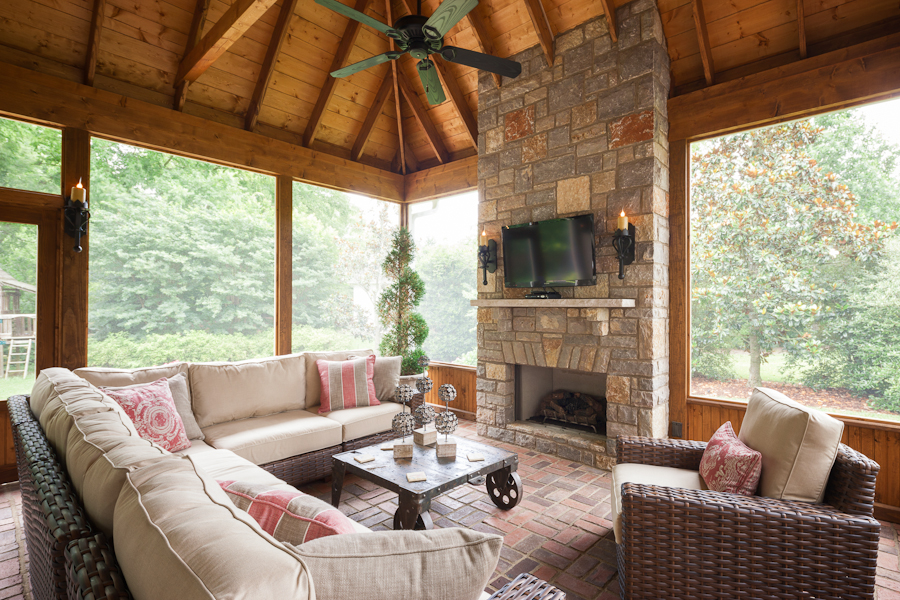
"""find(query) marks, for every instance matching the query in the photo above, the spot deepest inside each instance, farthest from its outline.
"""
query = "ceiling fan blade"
(446, 16)
(354, 14)
(432, 83)
(485, 62)
(365, 64)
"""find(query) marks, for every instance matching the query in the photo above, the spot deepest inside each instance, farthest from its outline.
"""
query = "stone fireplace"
(586, 135)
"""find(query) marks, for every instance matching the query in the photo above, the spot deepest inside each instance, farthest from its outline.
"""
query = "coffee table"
(497, 470)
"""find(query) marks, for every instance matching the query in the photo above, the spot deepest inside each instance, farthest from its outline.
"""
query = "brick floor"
(560, 531)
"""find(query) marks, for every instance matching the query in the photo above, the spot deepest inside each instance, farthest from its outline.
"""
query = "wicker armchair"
(679, 543)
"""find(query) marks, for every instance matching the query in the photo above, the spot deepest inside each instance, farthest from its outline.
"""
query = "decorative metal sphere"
(425, 414)
(404, 393)
(424, 361)
(403, 424)
(447, 393)
(424, 384)
(446, 422)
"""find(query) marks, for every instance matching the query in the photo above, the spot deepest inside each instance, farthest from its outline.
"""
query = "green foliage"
(406, 330)
(30, 157)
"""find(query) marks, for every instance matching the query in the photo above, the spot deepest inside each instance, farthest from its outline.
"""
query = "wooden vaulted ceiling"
(263, 65)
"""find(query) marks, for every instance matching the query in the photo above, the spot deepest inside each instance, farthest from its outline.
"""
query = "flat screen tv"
(554, 253)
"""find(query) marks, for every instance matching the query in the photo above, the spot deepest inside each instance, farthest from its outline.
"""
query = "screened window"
(446, 234)
(795, 262)
(182, 259)
(339, 243)
(18, 307)
(30, 157)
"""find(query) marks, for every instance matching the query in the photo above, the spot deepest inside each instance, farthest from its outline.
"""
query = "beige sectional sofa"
(177, 534)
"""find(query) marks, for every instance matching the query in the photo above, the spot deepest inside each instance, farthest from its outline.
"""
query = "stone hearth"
(585, 135)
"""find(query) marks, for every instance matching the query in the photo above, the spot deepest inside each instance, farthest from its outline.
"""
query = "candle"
(79, 194)
(623, 221)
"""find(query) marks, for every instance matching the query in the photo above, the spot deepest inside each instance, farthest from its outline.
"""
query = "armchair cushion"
(650, 475)
(798, 445)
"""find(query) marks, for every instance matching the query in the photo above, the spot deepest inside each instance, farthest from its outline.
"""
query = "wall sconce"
(76, 214)
(623, 242)
(487, 256)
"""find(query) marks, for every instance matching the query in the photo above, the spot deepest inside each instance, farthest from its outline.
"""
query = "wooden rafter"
(709, 70)
(801, 24)
(482, 37)
(279, 34)
(395, 81)
(458, 100)
(340, 59)
(609, 9)
(193, 39)
(381, 97)
(431, 132)
(541, 27)
(229, 29)
(411, 162)
(90, 65)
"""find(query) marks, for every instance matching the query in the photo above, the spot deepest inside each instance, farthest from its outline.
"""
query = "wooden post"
(680, 326)
(283, 260)
(72, 305)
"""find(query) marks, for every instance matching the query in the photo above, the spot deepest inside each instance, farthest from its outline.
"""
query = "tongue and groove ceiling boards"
(263, 65)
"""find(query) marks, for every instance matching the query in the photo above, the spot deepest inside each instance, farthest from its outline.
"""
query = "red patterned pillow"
(289, 516)
(152, 409)
(729, 465)
(347, 383)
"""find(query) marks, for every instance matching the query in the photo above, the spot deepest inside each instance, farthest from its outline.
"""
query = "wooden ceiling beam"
(609, 9)
(442, 180)
(415, 103)
(458, 100)
(709, 70)
(395, 82)
(412, 164)
(362, 138)
(229, 29)
(197, 21)
(327, 91)
(482, 37)
(90, 64)
(279, 35)
(541, 27)
(801, 25)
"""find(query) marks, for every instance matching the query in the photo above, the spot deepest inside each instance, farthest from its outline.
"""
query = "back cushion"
(43, 389)
(224, 392)
(798, 445)
(313, 383)
(103, 377)
(202, 545)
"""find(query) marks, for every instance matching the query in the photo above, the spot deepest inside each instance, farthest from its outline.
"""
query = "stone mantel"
(555, 303)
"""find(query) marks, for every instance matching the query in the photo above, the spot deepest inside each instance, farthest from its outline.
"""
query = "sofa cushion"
(648, 475)
(262, 440)
(223, 392)
(441, 564)
(347, 383)
(313, 384)
(196, 447)
(798, 445)
(43, 389)
(366, 420)
(226, 465)
(201, 545)
(178, 386)
(106, 377)
(99, 452)
(729, 465)
(289, 516)
(153, 412)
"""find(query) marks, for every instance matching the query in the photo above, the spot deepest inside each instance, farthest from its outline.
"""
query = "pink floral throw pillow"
(347, 383)
(288, 516)
(153, 412)
(729, 465)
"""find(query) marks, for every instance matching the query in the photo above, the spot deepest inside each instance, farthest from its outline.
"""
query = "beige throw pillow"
(441, 564)
(387, 376)
(798, 445)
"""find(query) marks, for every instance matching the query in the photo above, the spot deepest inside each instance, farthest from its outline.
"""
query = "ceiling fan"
(421, 38)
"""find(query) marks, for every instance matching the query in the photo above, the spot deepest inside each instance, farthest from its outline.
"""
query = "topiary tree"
(406, 330)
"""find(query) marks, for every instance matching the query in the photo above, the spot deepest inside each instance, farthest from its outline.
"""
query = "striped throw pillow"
(347, 383)
(288, 516)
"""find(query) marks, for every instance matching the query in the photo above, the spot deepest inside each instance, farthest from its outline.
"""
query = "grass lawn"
(769, 370)
(15, 385)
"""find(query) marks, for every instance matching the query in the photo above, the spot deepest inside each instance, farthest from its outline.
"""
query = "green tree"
(406, 329)
(30, 157)
(447, 269)
(771, 234)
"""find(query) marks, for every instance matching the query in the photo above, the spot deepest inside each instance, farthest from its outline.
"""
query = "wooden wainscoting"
(8, 470)
(461, 377)
(879, 441)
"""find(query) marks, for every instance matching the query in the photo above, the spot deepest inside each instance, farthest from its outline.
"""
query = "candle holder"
(75, 219)
(623, 242)
(487, 258)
